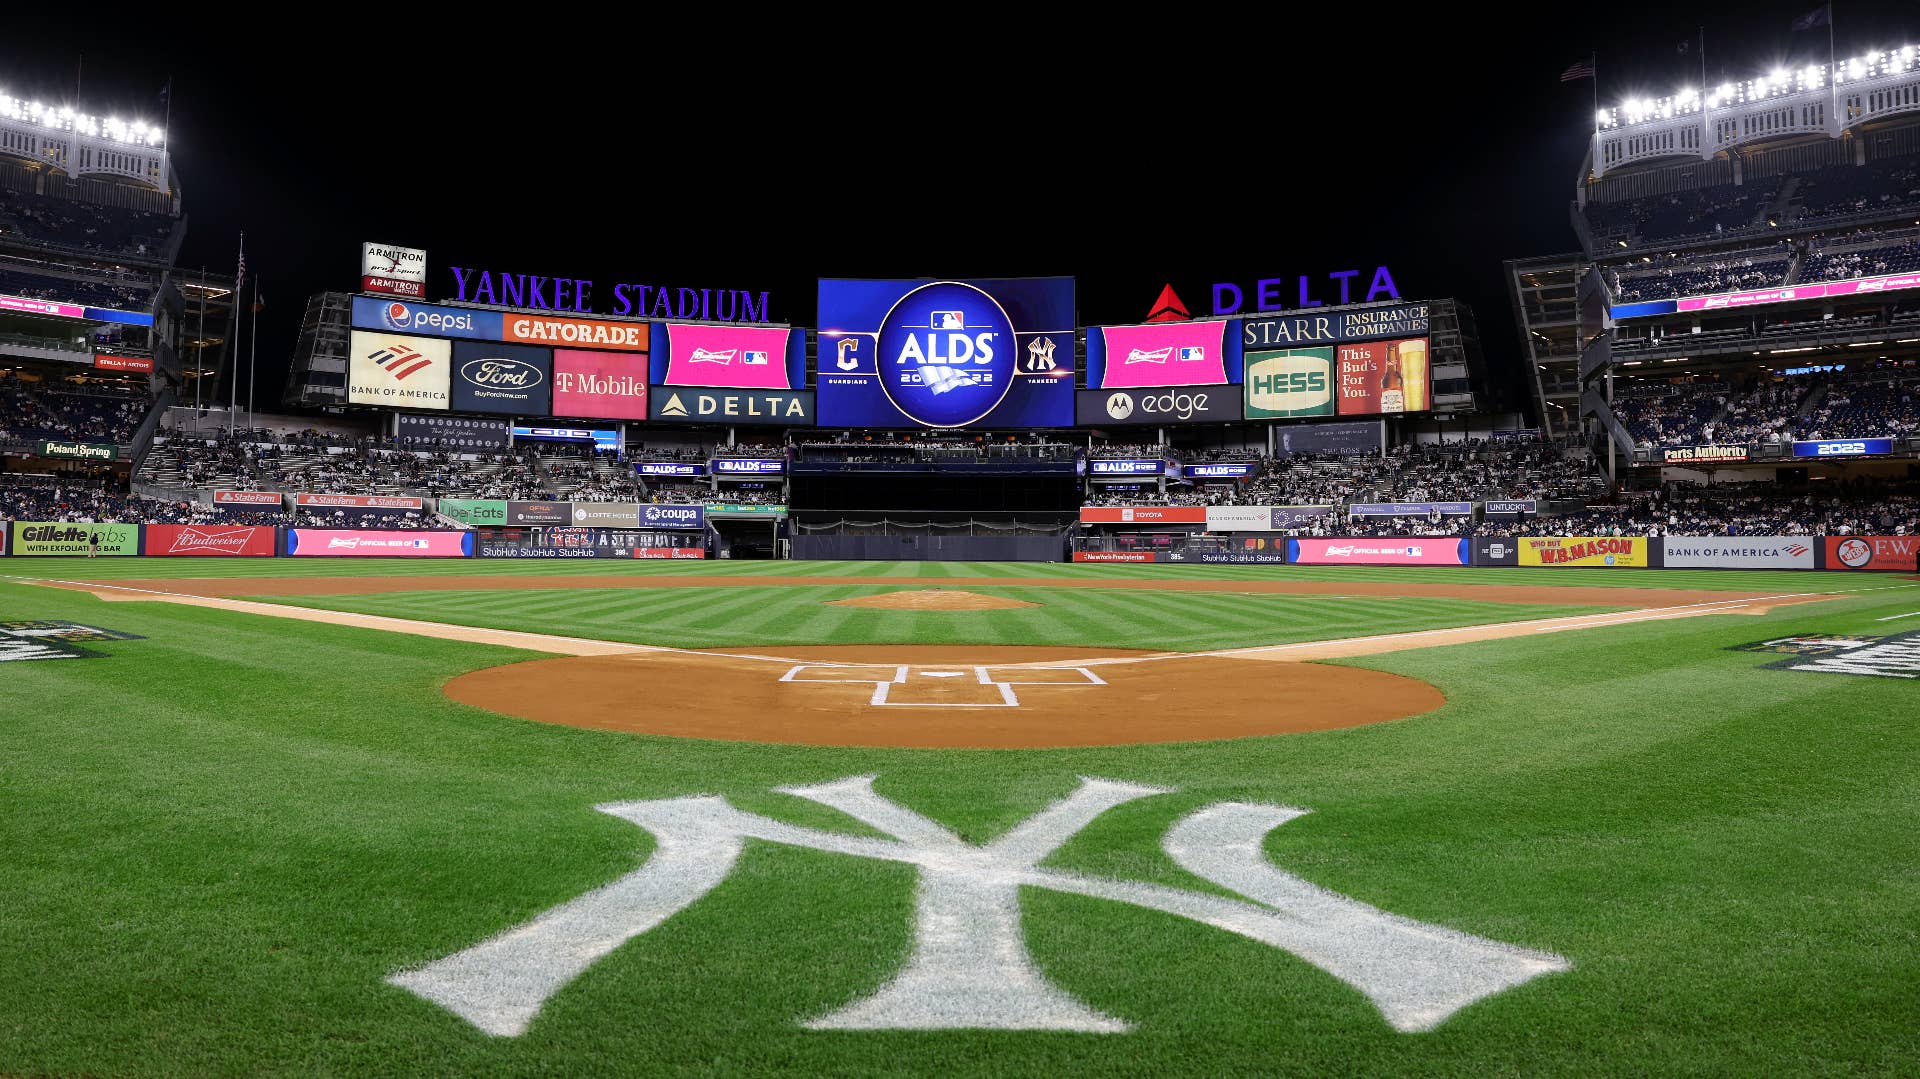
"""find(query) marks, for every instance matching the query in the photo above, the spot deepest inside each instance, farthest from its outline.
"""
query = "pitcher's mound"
(933, 599)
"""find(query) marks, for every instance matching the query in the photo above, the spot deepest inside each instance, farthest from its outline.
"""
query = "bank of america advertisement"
(729, 357)
(1199, 353)
(946, 354)
(391, 369)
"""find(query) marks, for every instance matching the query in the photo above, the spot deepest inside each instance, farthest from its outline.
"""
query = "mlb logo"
(418, 545)
(1193, 352)
(949, 320)
(751, 357)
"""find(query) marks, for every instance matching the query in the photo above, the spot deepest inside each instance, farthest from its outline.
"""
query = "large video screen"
(1202, 353)
(729, 357)
(946, 354)
(1352, 378)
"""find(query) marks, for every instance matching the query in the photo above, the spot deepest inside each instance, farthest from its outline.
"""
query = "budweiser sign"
(362, 502)
(247, 498)
(210, 541)
(223, 540)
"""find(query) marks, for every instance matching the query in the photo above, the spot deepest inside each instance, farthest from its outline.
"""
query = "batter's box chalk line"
(891, 680)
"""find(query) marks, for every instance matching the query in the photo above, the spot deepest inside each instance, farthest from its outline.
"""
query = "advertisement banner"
(414, 430)
(1291, 331)
(745, 509)
(669, 468)
(247, 498)
(1496, 551)
(1738, 552)
(1392, 551)
(1410, 509)
(1859, 552)
(606, 515)
(946, 354)
(785, 408)
(1113, 467)
(1262, 518)
(398, 271)
(79, 451)
(539, 513)
(744, 466)
(357, 543)
(1116, 556)
(1691, 455)
(573, 542)
(122, 363)
(1143, 515)
(404, 372)
(474, 511)
(210, 541)
(1107, 408)
(599, 385)
(1241, 556)
(1289, 384)
(1197, 353)
(730, 357)
(425, 319)
(1513, 508)
(1224, 470)
(1353, 438)
(589, 333)
(668, 516)
(1616, 551)
(1382, 377)
(515, 379)
(359, 502)
(27, 306)
(1848, 447)
(606, 439)
(67, 540)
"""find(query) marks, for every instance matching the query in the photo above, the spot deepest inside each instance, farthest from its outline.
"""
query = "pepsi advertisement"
(946, 354)
(427, 319)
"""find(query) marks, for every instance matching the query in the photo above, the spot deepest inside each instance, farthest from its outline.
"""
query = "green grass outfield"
(217, 842)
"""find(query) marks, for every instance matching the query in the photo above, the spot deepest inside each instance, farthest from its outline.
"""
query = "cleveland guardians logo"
(946, 354)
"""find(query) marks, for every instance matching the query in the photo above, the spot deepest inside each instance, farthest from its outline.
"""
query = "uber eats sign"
(1288, 383)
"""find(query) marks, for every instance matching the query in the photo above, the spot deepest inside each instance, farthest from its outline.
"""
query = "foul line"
(587, 646)
(1893, 617)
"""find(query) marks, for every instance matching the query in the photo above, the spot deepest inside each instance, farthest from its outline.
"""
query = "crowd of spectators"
(86, 225)
(1866, 253)
(102, 412)
(1663, 414)
(1868, 405)
(1853, 189)
(1699, 211)
(1693, 273)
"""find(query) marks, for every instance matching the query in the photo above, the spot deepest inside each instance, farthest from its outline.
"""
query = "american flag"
(1580, 70)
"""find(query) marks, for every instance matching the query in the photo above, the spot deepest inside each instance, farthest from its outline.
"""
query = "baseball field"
(292, 817)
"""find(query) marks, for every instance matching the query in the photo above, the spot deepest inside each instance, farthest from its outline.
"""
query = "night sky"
(744, 153)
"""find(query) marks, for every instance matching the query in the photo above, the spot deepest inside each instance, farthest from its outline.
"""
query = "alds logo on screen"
(946, 354)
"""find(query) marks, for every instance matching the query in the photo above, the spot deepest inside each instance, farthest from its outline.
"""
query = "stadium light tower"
(79, 144)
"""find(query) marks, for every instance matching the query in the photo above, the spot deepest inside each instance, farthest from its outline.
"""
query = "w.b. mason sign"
(969, 966)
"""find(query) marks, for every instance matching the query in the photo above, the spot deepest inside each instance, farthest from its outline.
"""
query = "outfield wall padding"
(941, 548)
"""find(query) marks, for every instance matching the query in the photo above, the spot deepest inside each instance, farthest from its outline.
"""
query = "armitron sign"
(396, 271)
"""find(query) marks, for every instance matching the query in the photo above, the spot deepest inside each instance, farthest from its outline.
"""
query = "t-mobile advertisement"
(1398, 551)
(599, 385)
(730, 357)
(1163, 354)
(1382, 377)
(355, 543)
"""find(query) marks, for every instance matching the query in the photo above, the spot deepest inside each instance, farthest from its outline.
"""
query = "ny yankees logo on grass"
(969, 966)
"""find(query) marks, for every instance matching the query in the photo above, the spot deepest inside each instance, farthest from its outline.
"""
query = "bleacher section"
(83, 225)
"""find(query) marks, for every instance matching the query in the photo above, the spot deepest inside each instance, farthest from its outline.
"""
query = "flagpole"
(253, 349)
(200, 351)
(1833, 88)
(233, 381)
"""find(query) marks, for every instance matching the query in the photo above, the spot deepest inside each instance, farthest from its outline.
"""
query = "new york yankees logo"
(969, 966)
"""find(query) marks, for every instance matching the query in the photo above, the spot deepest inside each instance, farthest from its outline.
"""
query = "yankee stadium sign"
(497, 287)
(969, 967)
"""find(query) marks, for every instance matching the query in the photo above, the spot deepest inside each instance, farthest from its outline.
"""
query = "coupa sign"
(969, 967)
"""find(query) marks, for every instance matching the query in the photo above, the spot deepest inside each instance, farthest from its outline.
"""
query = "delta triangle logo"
(1168, 307)
(673, 407)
